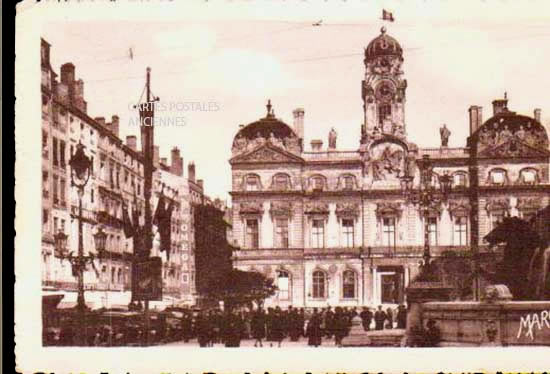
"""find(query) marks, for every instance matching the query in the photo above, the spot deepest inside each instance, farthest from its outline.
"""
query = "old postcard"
(282, 186)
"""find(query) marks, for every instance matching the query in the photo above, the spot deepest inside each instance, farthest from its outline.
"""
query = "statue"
(445, 134)
(332, 138)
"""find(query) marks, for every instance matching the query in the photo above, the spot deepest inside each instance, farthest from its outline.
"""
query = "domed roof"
(383, 45)
(266, 126)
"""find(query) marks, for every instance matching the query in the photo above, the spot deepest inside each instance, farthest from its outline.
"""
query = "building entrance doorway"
(390, 284)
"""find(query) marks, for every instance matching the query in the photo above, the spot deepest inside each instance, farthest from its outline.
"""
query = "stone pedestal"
(420, 292)
(357, 336)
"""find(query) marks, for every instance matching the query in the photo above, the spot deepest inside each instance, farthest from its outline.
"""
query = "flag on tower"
(387, 16)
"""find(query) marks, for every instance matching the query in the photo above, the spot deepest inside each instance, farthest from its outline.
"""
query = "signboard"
(148, 279)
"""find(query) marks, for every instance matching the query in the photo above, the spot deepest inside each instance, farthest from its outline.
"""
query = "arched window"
(528, 176)
(283, 284)
(319, 285)
(281, 182)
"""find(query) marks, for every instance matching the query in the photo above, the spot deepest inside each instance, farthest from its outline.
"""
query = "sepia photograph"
(269, 175)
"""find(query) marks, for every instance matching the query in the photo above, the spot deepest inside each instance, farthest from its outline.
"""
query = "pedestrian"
(314, 331)
(278, 326)
(432, 335)
(366, 318)
(257, 326)
(389, 318)
(401, 317)
(201, 329)
(379, 318)
(340, 326)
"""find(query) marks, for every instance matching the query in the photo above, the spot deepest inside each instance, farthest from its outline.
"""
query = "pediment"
(266, 153)
(514, 148)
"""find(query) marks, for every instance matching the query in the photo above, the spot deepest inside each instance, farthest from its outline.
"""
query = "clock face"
(385, 91)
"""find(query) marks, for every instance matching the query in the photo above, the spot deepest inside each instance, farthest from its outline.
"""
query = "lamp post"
(426, 196)
(80, 174)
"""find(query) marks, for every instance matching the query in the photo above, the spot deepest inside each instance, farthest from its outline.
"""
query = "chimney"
(115, 125)
(131, 142)
(191, 171)
(200, 182)
(537, 115)
(316, 145)
(164, 161)
(68, 78)
(67, 74)
(500, 105)
(476, 118)
(299, 122)
(45, 55)
(176, 166)
(156, 155)
(100, 120)
(79, 101)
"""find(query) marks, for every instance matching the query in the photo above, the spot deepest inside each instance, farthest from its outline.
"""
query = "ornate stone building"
(117, 180)
(331, 227)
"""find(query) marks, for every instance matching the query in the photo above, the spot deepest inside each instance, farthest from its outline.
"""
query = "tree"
(237, 288)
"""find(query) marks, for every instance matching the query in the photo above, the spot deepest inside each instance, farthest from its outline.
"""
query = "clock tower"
(383, 90)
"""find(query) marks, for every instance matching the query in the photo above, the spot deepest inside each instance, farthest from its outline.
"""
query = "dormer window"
(459, 180)
(348, 182)
(528, 176)
(252, 183)
(318, 183)
(281, 182)
(498, 177)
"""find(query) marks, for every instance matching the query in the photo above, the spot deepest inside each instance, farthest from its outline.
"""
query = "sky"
(217, 63)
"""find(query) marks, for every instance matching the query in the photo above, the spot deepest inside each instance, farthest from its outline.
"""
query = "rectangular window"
(62, 154)
(54, 146)
(318, 233)
(252, 233)
(384, 111)
(55, 225)
(44, 144)
(460, 234)
(348, 183)
(281, 182)
(348, 232)
(62, 191)
(318, 184)
(45, 216)
(252, 184)
(55, 190)
(432, 230)
(388, 231)
(281, 232)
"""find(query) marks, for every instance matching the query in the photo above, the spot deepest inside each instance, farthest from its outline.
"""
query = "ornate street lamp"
(428, 195)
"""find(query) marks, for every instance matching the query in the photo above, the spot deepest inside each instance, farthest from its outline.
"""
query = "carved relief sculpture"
(347, 210)
(316, 208)
(281, 208)
(251, 208)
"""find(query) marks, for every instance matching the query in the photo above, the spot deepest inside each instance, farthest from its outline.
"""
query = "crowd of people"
(270, 326)
(274, 325)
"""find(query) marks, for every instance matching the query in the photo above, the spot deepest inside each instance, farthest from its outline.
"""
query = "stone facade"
(116, 181)
(332, 227)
